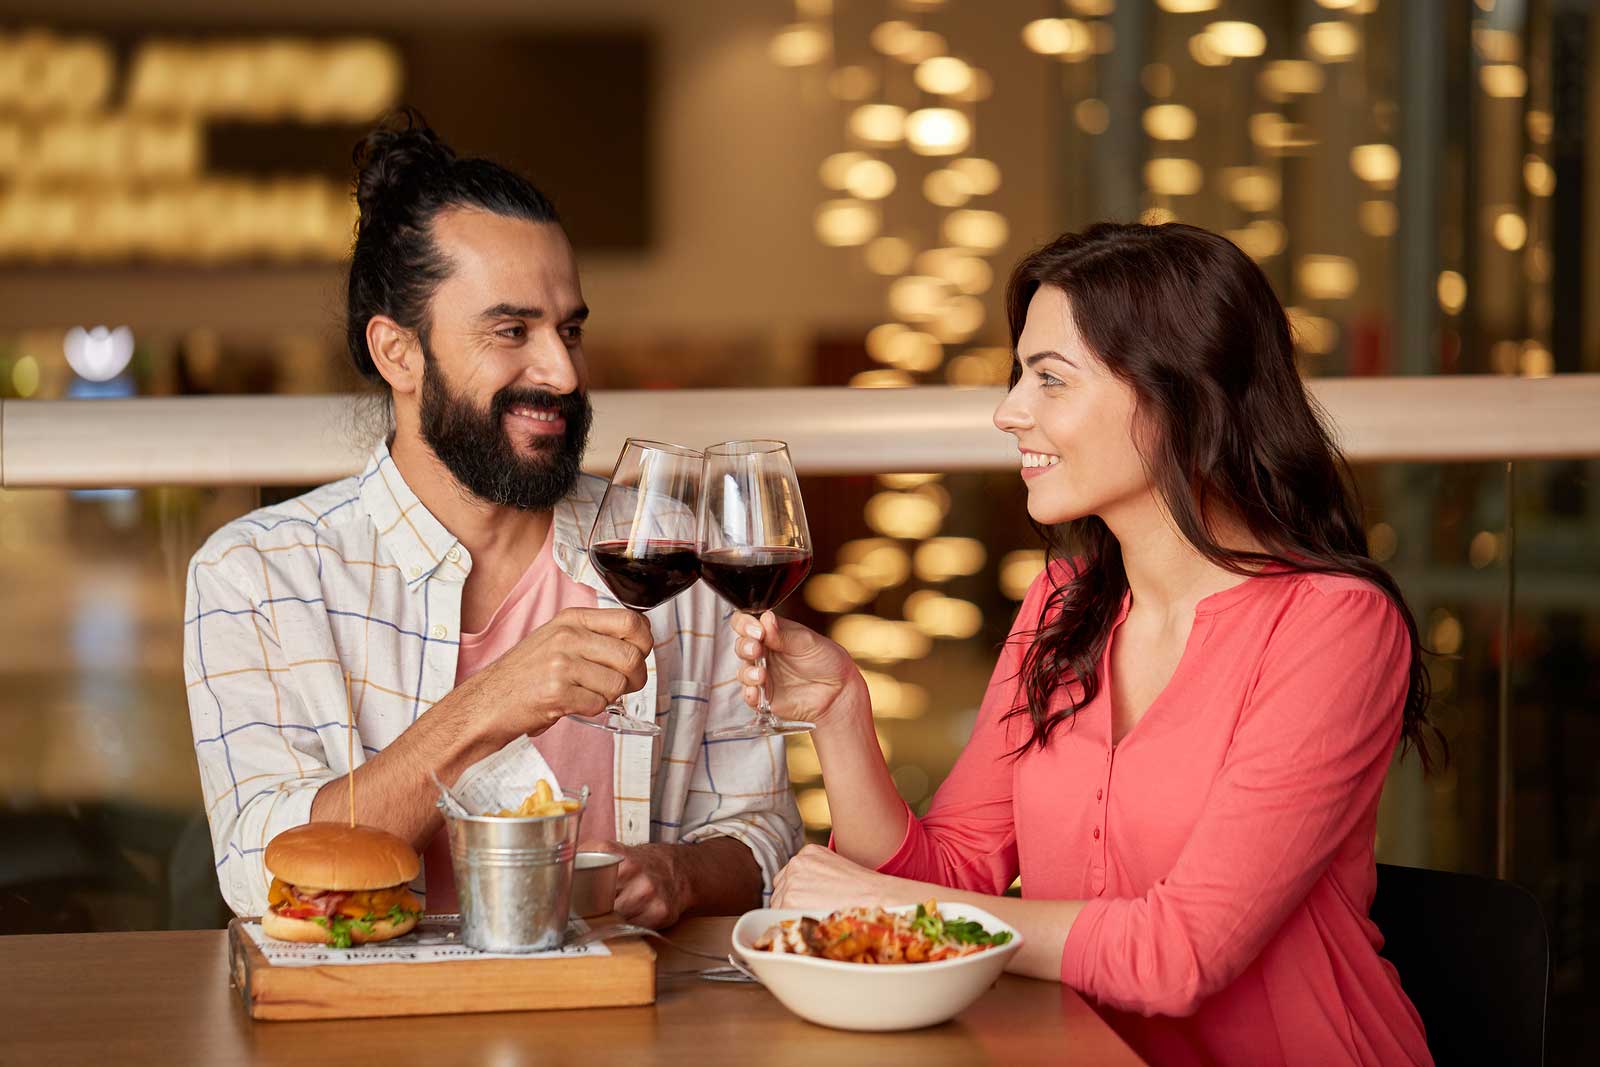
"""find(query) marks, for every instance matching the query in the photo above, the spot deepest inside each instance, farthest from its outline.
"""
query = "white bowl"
(864, 996)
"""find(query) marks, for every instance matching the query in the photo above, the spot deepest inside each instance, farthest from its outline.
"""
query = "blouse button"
(1098, 793)
(1097, 833)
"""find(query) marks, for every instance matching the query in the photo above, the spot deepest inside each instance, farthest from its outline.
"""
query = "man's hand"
(658, 884)
(575, 664)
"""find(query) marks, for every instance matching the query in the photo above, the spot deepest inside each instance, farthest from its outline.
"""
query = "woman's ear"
(396, 353)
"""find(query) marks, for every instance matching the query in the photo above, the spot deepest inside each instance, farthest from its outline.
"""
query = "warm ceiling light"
(870, 179)
(1540, 126)
(882, 379)
(835, 170)
(1497, 46)
(968, 273)
(1171, 176)
(1338, 5)
(959, 319)
(946, 188)
(1187, 7)
(1237, 40)
(1333, 42)
(1376, 163)
(983, 231)
(1018, 570)
(1510, 231)
(1252, 188)
(895, 37)
(1203, 52)
(1283, 78)
(1169, 122)
(1328, 277)
(879, 338)
(938, 131)
(943, 76)
(879, 124)
(941, 558)
(1505, 81)
(799, 45)
(1316, 335)
(1066, 38)
(1261, 239)
(1538, 176)
(1452, 290)
(845, 223)
(982, 175)
(888, 255)
(982, 88)
(914, 351)
(916, 297)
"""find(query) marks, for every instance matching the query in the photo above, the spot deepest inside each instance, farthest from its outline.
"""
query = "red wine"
(643, 575)
(755, 579)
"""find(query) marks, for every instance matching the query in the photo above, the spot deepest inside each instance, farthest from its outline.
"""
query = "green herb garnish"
(965, 931)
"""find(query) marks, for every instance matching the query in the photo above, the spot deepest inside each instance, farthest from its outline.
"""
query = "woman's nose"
(1012, 415)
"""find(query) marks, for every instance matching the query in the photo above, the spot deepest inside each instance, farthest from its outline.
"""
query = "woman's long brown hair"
(1194, 328)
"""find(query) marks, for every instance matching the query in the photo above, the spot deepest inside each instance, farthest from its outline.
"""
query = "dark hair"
(1193, 326)
(405, 176)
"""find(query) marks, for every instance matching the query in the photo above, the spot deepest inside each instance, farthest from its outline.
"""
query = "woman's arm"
(818, 878)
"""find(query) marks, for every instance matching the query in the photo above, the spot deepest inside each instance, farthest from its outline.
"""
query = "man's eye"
(513, 333)
(573, 333)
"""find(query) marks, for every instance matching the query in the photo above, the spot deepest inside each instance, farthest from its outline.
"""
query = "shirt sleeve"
(968, 838)
(261, 758)
(749, 798)
(1304, 771)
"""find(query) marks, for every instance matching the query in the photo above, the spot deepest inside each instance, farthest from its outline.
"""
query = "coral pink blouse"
(1224, 846)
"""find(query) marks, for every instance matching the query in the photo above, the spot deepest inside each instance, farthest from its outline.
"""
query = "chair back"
(1473, 956)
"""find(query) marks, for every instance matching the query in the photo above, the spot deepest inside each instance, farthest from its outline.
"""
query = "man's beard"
(476, 449)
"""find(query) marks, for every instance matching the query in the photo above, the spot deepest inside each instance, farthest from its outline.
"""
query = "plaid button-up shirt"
(358, 578)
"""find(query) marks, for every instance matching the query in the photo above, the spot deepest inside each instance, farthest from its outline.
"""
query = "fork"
(607, 933)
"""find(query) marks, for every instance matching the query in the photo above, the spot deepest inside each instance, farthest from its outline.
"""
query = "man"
(425, 613)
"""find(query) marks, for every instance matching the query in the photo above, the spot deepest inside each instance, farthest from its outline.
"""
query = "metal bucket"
(514, 878)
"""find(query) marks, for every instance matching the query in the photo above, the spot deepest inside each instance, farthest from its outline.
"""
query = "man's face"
(504, 400)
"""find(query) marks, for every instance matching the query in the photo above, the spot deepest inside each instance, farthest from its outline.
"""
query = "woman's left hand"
(820, 878)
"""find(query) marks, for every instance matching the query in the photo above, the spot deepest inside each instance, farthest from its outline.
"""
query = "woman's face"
(1074, 422)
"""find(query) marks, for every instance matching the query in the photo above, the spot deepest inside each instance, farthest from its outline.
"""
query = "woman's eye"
(1049, 381)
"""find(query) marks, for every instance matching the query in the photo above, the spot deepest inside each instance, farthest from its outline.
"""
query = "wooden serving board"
(446, 987)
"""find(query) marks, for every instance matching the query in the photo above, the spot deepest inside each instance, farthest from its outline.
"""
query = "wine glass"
(754, 546)
(644, 544)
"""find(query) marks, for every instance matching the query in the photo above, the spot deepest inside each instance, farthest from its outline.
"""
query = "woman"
(1182, 747)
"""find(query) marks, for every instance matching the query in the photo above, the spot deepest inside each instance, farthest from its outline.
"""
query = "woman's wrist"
(851, 706)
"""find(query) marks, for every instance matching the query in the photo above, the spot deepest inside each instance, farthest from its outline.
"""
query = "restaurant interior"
(812, 194)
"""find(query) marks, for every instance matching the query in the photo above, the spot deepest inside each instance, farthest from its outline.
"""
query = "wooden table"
(163, 998)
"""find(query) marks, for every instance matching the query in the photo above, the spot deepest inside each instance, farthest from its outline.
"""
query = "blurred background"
(775, 193)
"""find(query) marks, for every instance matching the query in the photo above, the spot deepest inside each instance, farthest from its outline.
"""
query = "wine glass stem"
(764, 714)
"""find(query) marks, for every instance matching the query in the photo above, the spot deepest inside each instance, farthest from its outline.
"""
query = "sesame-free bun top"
(334, 855)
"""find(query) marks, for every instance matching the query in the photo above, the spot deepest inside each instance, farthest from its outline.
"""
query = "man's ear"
(396, 352)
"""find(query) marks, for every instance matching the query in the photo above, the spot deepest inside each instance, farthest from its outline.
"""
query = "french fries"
(539, 804)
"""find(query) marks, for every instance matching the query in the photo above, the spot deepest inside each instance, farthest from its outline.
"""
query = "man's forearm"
(393, 789)
(722, 875)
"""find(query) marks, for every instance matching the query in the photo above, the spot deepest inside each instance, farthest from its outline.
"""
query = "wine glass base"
(613, 723)
(757, 728)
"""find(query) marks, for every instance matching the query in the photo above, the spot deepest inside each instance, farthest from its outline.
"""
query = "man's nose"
(552, 366)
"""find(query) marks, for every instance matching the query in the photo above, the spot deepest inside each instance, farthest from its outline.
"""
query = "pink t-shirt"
(1224, 846)
(579, 755)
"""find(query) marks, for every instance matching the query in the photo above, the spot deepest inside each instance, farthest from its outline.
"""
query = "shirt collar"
(421, 544)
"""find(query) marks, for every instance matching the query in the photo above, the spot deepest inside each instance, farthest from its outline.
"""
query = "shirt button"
(439, 631)
(1097, 833)
(416, 572)
(454, 555)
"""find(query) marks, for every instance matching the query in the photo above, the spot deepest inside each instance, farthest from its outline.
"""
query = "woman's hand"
(821, 878)
(812, 678)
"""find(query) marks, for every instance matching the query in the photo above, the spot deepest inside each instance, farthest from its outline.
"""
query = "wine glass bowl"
(644, 544)
(755, 548)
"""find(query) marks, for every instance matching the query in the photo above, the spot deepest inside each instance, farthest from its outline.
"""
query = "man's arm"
(574, 664)
(657, 884)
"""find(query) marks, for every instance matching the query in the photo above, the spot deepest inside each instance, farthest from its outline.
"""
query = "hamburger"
(340, 885)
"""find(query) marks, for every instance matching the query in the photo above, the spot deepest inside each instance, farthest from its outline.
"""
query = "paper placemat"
(436, 938)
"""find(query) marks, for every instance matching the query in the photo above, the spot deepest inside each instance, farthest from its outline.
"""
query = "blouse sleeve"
(968, 838)
(1305, 768)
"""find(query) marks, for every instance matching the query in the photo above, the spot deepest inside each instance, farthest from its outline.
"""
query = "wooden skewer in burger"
(340, 885)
